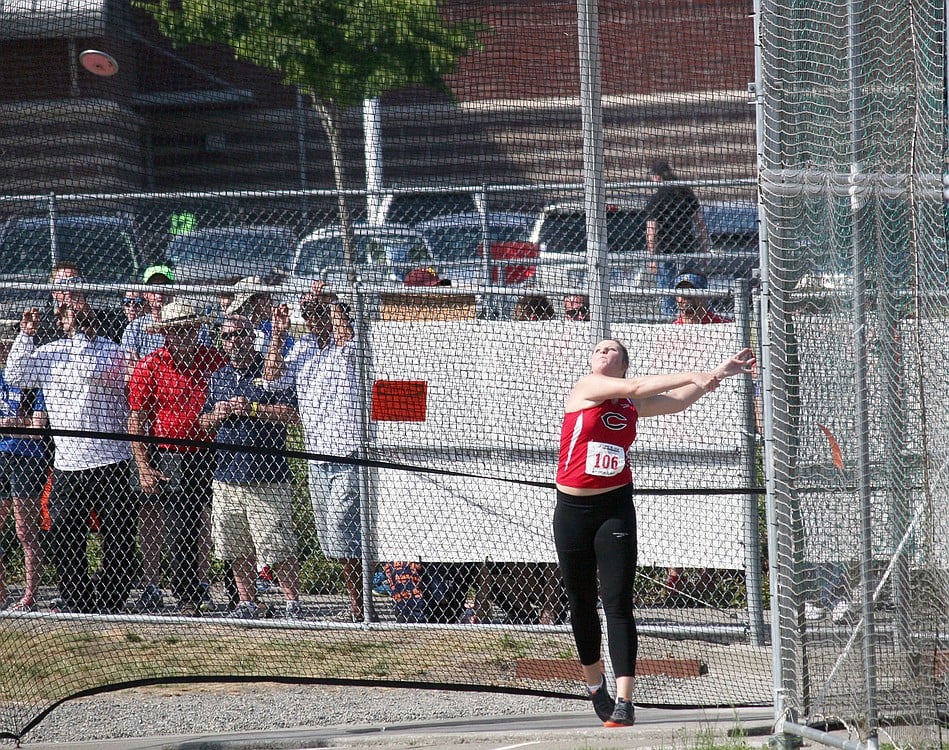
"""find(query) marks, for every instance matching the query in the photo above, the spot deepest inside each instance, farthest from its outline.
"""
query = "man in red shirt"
(167, 392)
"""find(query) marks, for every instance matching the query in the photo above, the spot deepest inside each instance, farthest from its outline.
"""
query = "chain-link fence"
(366, 496)
(853, 144)
(241, 495)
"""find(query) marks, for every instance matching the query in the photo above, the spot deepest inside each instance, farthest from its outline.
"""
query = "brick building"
(674, 76)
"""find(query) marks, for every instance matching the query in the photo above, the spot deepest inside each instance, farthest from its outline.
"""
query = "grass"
(67, 657)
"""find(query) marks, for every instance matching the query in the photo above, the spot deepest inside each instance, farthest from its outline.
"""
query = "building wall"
(196, 119)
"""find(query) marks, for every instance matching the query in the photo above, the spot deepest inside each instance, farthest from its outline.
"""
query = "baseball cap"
(161, 270)
(693, 280)
(424, 277)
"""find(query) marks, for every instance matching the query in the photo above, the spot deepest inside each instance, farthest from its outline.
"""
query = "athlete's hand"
(742, 363)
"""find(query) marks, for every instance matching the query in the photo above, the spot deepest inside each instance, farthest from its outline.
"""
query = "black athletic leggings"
(598, 533)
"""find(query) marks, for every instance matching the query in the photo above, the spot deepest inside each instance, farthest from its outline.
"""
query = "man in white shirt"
(83, 378)
(321, 366)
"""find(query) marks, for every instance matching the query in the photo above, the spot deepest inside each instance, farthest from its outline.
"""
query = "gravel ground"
(170, 710)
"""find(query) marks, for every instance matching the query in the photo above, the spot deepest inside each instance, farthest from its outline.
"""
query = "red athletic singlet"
(593, 445)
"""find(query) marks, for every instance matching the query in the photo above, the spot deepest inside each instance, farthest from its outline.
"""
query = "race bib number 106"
(605, 459)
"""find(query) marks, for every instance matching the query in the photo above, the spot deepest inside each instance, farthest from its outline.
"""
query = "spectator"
(530, 307)
(424, 277)
(134, 306)
(576, 307)
(257, 306)
(151, 522)
(322, 368)
(137, 338)
(64, 276)
(252, 513)
(674, 226)
(693, 310)
(166, 394)
(24, 466)
(84, 380)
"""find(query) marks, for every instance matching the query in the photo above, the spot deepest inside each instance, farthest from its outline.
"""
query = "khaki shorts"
(253, 518)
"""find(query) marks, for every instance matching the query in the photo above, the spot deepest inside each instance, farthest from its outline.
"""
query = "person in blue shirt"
(252, 505)
(24, 469)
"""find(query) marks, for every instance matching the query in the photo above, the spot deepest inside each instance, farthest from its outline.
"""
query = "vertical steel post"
(594, 191)
(858, 200)
(366, 506)
(752, 544)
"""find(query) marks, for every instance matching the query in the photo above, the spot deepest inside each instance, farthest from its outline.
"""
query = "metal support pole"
(749, 449)
(363, 354)
(857, 210)
(372, 134)
(594, 192)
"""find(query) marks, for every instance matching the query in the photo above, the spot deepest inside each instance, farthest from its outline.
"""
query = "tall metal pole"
(753, 585)
(857, 206)
(372, 134)
(594, 191)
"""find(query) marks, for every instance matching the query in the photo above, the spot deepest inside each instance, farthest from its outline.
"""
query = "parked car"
(458, 242)
(383, 253)
(560, 232)
(410, 209)
(106, 248)
(222, 255)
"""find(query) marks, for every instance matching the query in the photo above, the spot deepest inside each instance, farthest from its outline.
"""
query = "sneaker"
(293, 610)
(22, 606)
(245, 611)
(151, 599)
(189, 609)
(624, 715)
(602, 702)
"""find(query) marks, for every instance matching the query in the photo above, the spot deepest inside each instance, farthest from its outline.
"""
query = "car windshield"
(412, 208)
(457, 243)
(373, 250)
(104, 250)
(240, 247)
(565, 232)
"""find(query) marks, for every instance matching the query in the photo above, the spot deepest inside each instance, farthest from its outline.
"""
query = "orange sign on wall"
(399, 400)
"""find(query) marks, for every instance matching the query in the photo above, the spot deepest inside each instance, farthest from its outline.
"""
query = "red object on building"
(399, 400)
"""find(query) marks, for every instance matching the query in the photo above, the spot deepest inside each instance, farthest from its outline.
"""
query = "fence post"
(753, 588)
(365, 506)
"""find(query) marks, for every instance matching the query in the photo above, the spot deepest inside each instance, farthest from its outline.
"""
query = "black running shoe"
(602, 702)
(624, 715)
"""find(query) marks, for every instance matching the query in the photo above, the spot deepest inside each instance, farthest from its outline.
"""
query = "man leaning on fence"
(252, 510)
(83, 378)
(321, 366)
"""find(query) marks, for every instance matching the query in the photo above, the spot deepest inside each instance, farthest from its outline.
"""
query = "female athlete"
(595, 521)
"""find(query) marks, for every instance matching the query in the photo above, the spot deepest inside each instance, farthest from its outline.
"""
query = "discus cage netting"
(852, 155)
(445, 404)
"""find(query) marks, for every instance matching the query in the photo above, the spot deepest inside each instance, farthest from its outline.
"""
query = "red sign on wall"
(399, 400)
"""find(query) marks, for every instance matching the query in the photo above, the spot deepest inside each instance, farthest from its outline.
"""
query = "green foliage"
(338, 51)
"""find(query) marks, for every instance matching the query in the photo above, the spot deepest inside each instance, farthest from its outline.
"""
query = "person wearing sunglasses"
(252, 493)
(133, 306)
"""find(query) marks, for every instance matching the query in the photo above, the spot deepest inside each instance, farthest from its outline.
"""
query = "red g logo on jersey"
(614, 421)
